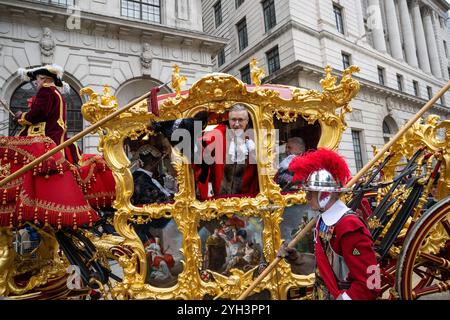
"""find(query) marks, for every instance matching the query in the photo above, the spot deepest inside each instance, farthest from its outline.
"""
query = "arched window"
(19, 103)
(74, 116)
(386, 129)
(389, 128)
(135, 88)
(73, 102)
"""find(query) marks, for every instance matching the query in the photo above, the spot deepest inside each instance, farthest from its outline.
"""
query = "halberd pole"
(380, 153)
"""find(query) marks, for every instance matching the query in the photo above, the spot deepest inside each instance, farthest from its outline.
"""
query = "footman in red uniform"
(346, 265)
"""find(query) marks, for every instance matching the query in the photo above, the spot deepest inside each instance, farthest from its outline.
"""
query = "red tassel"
(90, 219)
(19, 216)
(11, 217)
(36, 215)
(75, 227)
(59, 221)
(46, 218)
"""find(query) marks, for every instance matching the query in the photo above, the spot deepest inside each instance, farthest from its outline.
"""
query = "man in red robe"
(229, 159)
(47, 114)
(346, 264)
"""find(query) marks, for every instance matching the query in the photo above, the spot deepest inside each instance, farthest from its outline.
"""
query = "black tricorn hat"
(53, 71)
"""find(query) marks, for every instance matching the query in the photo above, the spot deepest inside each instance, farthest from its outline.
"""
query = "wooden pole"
(71, 140)
(7, 108)
(380, 153)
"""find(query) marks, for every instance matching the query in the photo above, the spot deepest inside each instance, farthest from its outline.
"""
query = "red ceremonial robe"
(47, 116)
(250, 185)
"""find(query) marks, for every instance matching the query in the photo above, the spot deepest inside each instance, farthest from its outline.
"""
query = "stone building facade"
(130, 45)
(401, 47)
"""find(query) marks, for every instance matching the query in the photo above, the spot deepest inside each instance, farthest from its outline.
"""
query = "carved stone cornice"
(427, 10)
(416, 3)
(137, 28)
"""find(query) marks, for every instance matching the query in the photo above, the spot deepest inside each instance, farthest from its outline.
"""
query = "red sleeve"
(40, 108)
(359, 255)
(364, 209)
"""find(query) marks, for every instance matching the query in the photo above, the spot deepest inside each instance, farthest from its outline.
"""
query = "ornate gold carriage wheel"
(423, 266)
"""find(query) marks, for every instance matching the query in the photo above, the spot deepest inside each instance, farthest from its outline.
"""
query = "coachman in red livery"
(48, 113)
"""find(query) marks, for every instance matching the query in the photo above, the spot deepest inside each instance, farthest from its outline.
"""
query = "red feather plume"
(303, 166)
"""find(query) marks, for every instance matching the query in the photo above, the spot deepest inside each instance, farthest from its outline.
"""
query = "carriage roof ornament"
(257, 73)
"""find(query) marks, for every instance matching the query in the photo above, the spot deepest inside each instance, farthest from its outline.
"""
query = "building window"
(445, 48)
(357, 148)
(416, 88)
(430, 92)
(218, 13)
(238, 3)
(242, 34)
(270, 20)
(221, 57)
(63, 3)
(339, 18)
(400, 82)
(73, 102)
(345, 60)
(245, 74)
(146, 10)
(389, 128)
(273, 60)
(381, 75)
(74, 116)
(448, 69)
(443, 101)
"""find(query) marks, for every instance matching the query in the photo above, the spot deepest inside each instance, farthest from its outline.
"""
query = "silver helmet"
(322, 180)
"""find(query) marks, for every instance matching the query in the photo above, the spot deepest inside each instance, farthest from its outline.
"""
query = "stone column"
(376, 25)
(431, 43)
(360, 18)
(408, 34)
(421, 43)
(393, 30)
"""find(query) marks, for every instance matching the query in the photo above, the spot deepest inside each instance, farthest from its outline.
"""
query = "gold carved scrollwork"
(436, 239)
(48, 266)
(432, 135)
(98, 107)
(329, 82)
(216, 93)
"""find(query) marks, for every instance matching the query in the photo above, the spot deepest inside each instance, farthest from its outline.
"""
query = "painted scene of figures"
(162, 243)
(231, 242)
